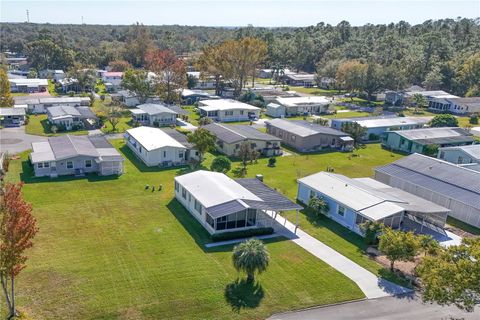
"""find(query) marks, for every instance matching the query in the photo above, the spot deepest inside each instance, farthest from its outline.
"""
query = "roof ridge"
(231, 130)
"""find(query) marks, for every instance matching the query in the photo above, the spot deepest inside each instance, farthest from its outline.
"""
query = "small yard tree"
(473, 119)
(356, 131)
(319, 206)
(398, 245)
(430, 149)
(272, 161)
(113, 116)
(6, 100)
(203, 141)
(203, 121)
(429, 245)
(371, 230)
(244, 153)
(17, 229)
(419, 101)
(444, 120)
(221, 164)
(453, 275)
(251, 256)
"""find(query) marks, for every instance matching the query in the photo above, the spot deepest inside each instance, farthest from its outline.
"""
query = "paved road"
(371, 285)
(14, 140)
(387, 308)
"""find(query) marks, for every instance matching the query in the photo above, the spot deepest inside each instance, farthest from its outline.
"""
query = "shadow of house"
(125, 150)
(242, 294)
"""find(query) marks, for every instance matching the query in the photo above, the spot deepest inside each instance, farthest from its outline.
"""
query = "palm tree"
(251, 256)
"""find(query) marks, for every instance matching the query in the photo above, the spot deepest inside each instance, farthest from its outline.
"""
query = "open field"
(109, 249)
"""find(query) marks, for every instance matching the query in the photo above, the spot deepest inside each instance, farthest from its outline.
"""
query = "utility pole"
(28, 16)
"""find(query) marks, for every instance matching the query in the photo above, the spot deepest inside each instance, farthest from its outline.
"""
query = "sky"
(268, 13)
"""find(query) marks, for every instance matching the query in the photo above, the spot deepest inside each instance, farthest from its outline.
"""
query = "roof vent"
(259, 177)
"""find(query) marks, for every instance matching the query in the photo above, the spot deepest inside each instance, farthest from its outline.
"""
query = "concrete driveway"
(388, 308)
(15, 140)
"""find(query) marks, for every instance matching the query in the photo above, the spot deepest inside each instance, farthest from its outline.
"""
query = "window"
(164, 154)
(253, 145)
(69, 164)
(241, 112)
(442, 155)
(312, 194)
(197, 206)
(88, 163)
(180, 154)
(210, 221)
(40, 165)
(229, 113)
(176, 186)
(184, 193)
(189, 197)
(460, 160)
(46, 164)
(341, 211)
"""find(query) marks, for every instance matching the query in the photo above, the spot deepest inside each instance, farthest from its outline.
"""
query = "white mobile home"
(155, 147)
(222, 204)
(226, 110)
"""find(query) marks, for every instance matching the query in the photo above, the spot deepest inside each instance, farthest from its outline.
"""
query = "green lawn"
(361, 102)
(19, 94)
(349, 114)
(109, 249)
(51, 88)
(38, 125)
(316, 91)
(124, 124)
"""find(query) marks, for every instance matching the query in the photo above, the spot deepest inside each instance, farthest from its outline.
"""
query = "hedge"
(241, 234)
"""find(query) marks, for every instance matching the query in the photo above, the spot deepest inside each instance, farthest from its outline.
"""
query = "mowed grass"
(38, 125)
(284, 177)
(109, 249)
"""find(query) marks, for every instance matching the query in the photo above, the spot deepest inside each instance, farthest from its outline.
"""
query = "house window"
(40, 165)
(312, 194)
(164, 154)
(176, 186)
(210, 221)
(180, 155)
(241, 112)
(341, 211)
(197, 206)
(229, 113)
(88, 163)
(184, 193)
(46, 164)
(69, 164)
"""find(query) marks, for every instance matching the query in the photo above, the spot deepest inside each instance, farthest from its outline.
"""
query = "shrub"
(241, 234)
(272, 161)
(473, 119)
(221, 164)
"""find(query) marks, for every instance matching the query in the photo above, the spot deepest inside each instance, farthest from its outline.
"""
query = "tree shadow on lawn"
(388, 275)
(198, 232)
(28, 176)
(242, 294)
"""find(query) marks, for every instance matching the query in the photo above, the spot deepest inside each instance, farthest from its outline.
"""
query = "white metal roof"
(394, 121)
(472, 150)
(29, 82)
(224, 104)
(153, 138)
(12, 111)
(300, 101)
(344, 190)
(42, 152)
(214, 188)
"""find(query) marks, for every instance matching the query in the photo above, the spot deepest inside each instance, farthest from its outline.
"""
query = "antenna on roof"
(28, 16)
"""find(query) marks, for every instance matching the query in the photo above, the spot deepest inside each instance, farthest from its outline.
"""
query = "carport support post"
(296, 221)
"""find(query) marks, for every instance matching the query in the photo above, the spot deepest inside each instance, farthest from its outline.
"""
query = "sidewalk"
(372, 286)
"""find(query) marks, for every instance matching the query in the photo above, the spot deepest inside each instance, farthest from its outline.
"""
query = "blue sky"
(235, 13)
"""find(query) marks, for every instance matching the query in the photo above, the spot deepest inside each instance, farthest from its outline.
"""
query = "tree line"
(438, 54)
